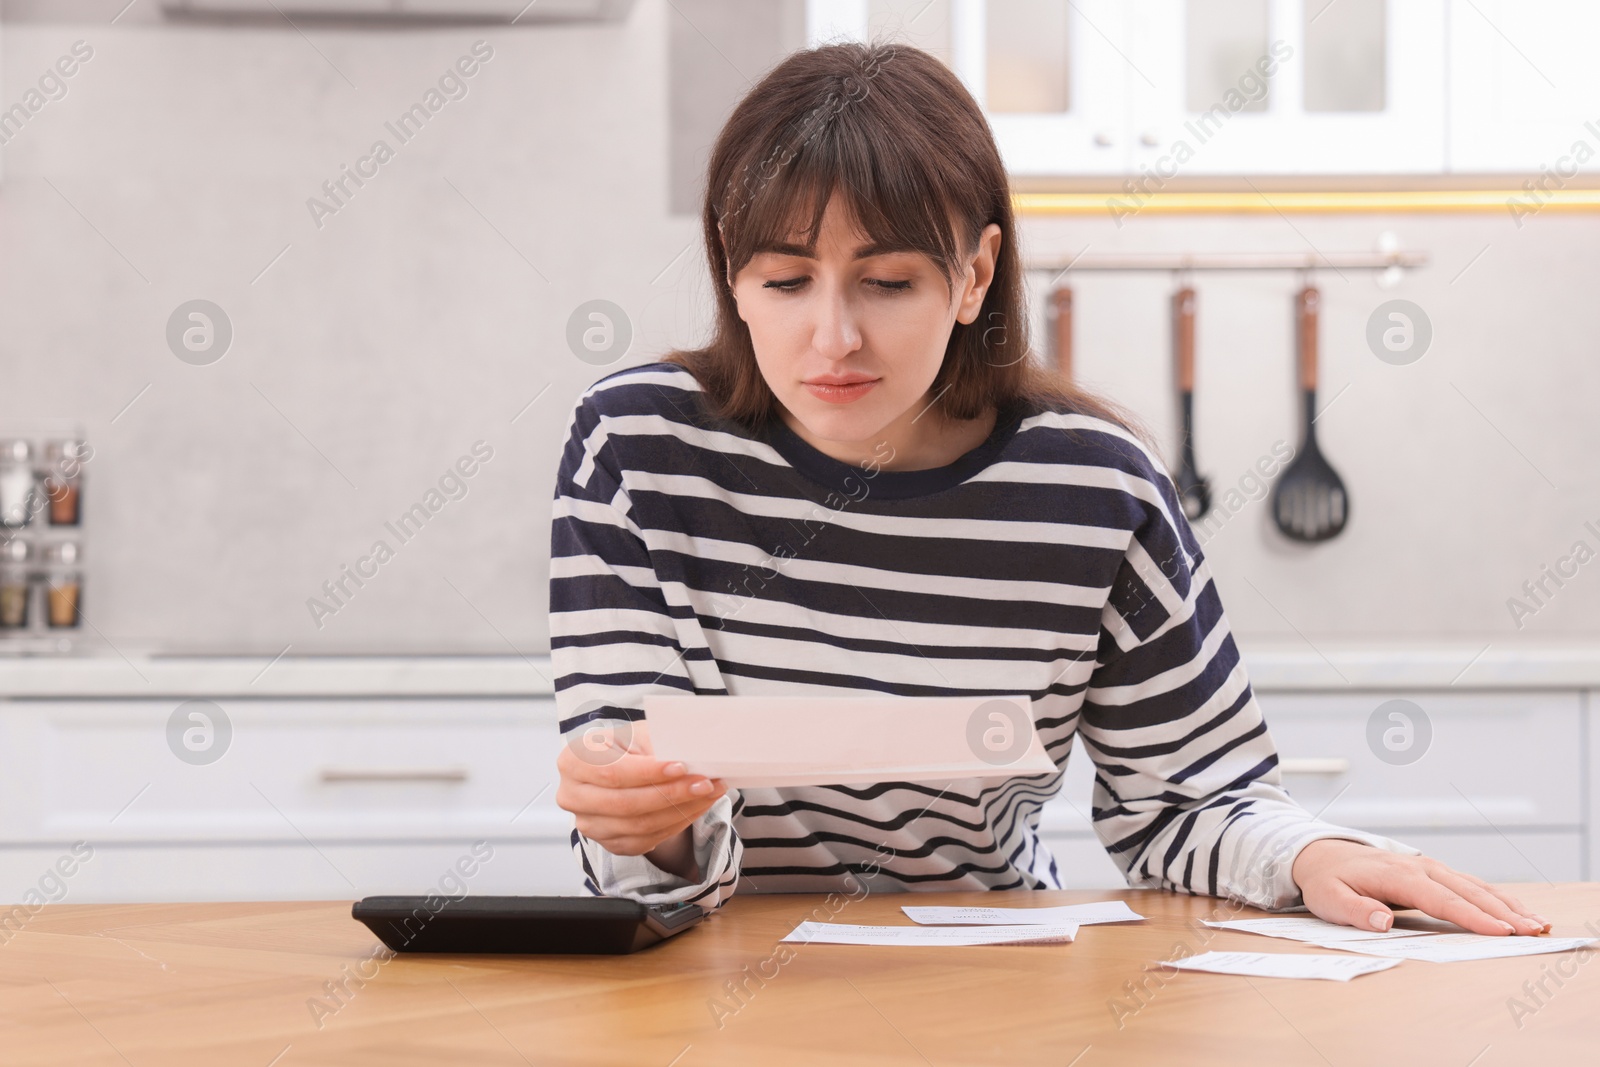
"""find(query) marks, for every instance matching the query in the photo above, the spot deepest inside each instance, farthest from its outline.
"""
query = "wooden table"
(225, 984)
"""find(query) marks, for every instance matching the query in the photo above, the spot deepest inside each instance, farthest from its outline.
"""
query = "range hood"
(401, 11)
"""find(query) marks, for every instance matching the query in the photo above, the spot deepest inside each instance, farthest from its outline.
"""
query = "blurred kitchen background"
(268, 373)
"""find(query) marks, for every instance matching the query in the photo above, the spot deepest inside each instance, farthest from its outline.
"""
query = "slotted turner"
(1193, 490)
(1309, 502)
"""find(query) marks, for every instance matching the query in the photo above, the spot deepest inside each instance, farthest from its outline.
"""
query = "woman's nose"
(835, 333)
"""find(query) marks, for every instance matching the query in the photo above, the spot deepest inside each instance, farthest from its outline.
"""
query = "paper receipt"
(777, 741)
(1281, 965)
(1311, 931)
(1100, 911)
(847, 934)
(1455, 948)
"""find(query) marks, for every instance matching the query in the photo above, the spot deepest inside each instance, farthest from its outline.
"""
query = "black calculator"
(607, 926)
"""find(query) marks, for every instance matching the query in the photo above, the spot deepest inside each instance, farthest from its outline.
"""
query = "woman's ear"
(980, 274)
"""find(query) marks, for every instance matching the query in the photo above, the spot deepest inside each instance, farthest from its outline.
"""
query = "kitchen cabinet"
(1058, 104)
(1158, 89)
(1499, 791)
(318, 798)
(1524, 90)
(1305, 88)
(321, 796)
(487, 11)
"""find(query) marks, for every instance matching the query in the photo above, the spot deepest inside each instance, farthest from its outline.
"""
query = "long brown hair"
(894, 131)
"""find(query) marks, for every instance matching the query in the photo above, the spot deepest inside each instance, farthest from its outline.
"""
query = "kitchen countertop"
(203, 984)
(287, 676)
(1273, 667)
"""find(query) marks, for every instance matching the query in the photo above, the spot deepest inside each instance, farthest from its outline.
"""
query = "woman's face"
(845, 311)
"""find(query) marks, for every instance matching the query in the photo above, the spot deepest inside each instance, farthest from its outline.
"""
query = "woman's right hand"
(625, 799)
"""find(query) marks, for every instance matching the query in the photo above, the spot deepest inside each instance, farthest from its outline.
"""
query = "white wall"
(414, 323)
(1468, 470)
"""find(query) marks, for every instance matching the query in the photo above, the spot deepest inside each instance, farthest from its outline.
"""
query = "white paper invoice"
(754, 741)
(847, 934)
(1281, 965)
(1100, 911)
(1454, 948)
(1311, 931)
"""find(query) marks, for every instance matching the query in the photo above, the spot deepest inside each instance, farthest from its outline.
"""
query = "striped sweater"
(690, 556)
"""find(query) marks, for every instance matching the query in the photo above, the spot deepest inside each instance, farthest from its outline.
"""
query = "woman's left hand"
(1355, 884)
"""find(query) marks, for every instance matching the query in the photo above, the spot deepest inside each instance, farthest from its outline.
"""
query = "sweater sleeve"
(612, 641)
(1187, 792)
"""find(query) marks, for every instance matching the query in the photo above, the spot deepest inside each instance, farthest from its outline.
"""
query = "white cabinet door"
(1052, 79)
(117, 874)
(1498, 790)
(1107, 87)
(1515, 857)
(1049, 74)
(1306, 88)
(319, 770)
(310, 798)
(1525, 89)
(1488, 762)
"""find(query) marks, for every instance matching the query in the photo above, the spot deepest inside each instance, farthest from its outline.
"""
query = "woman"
(865, 485)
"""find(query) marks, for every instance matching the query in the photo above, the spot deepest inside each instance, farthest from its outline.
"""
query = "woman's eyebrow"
(867, 251)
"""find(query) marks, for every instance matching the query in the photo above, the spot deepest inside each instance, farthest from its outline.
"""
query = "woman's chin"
(839, 427)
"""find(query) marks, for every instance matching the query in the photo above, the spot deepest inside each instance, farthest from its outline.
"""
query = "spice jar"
(62, 480)
(63, 584)
(16, 482)
(15, 588)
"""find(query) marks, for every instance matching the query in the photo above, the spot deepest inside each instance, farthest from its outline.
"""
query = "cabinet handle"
(1314, 765)
(1104, 139)
(393, 774)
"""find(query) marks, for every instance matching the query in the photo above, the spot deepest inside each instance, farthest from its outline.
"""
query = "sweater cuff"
(637, 878)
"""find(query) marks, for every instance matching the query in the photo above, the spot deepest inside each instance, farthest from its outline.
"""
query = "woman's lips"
(840, 394)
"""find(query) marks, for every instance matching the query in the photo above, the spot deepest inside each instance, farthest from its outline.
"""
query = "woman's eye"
(789, 285)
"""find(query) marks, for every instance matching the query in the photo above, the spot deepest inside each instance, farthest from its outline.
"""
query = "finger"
(580, 796)
(1512, 902)
(610, 829)
(629, 838)
(640, 799)
(656, 824)
(1487, 901)
(1434, 898)
(619, 771)
(649, 829)
(696, 787)
(1339, 903)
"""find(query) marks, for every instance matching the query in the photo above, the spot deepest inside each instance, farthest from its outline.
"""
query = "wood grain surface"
(259, 984)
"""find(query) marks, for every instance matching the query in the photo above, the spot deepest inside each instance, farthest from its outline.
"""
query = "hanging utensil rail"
(1167, 261)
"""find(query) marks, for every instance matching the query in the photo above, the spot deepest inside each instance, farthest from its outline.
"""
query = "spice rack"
(41, 535)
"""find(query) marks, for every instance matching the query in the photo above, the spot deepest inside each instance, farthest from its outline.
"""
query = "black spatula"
(1309, 502)
(1193, 490)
